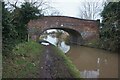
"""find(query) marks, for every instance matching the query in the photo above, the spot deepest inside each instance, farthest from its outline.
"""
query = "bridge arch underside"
(75, 36)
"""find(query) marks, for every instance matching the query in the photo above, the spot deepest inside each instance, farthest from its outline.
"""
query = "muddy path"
(52, 66)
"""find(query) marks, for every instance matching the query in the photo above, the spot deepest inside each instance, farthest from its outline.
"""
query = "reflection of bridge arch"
(80, 30)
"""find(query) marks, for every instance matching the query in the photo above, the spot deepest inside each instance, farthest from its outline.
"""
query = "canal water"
(94, 63)
(91, 62)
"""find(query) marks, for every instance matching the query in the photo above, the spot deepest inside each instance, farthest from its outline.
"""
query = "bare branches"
(42, 5)
(90, 10)
(12, 5)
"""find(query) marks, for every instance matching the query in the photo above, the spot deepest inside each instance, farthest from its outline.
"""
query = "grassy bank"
(66, 60)
(24, 61)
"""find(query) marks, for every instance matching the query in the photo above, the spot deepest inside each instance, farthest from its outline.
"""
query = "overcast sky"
(65, 7)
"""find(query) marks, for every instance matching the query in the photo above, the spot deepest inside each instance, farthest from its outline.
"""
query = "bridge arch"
(80, 30)
(75, 37)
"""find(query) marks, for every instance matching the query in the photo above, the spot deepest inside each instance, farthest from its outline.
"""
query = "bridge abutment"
(76, 40)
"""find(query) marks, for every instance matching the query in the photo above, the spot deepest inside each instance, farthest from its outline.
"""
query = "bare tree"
(43, 5)
(91, 9)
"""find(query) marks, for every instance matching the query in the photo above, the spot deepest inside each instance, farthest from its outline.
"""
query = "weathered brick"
(87, 28)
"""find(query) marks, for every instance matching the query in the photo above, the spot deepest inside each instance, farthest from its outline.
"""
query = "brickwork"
(88, 29)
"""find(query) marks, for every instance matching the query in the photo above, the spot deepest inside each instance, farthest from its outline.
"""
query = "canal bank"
(33, 60)
(55, 64)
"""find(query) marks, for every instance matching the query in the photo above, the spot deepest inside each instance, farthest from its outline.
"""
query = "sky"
(72, 7)
(65, 7)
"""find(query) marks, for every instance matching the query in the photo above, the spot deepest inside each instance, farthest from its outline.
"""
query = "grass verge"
(24, 61)
(71, 67)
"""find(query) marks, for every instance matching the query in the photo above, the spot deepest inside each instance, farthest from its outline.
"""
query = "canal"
(91, 62)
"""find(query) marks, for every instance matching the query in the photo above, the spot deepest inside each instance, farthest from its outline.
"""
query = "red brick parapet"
(89, 29)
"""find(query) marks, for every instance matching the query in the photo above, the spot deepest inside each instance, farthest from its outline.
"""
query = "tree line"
(110, 27)
(15, 18)
(14, 25)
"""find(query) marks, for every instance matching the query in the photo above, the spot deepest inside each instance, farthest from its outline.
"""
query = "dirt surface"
(52, 66)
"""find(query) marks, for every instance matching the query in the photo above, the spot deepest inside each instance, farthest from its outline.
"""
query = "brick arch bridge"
(80, 30)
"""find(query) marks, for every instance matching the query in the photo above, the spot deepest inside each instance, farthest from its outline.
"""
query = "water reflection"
(90, 74)
(57, 42)
(94, 63)
(91, 62)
